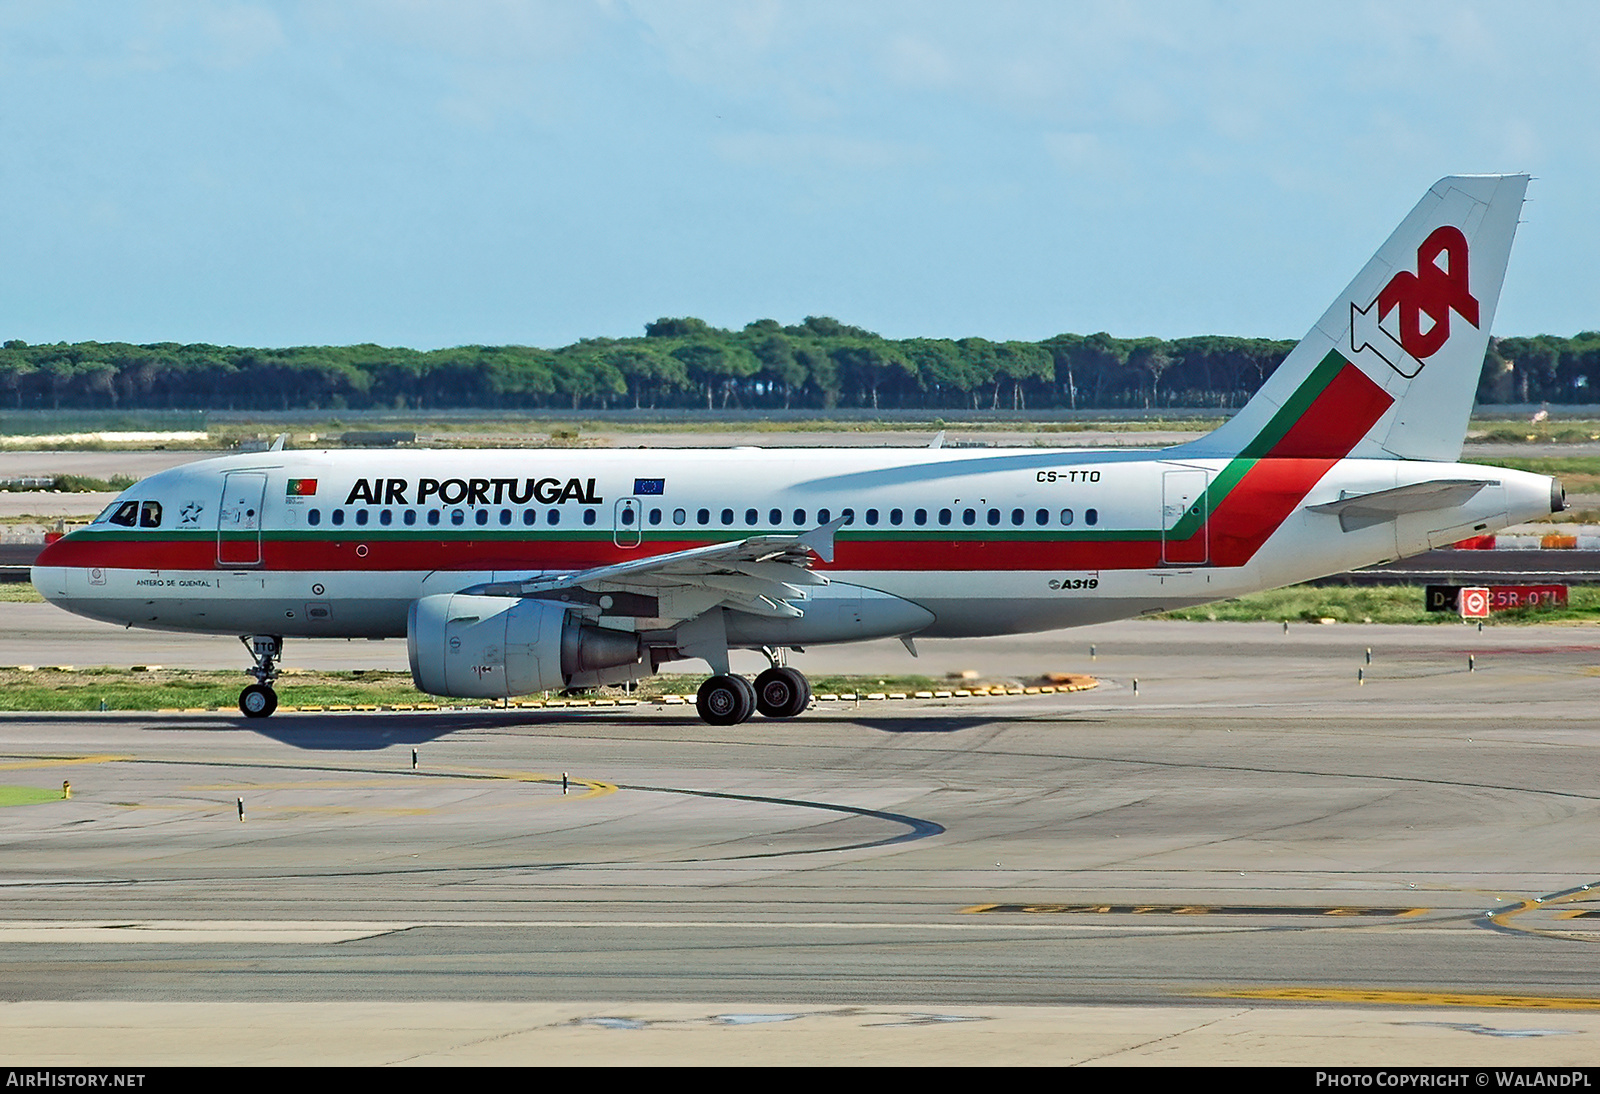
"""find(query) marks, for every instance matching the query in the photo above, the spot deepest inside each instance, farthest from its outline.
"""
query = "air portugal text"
(474, 491)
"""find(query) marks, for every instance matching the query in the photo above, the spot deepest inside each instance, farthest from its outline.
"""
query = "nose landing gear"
(259, 700)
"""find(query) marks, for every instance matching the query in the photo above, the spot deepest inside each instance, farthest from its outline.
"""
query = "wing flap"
(762, 575)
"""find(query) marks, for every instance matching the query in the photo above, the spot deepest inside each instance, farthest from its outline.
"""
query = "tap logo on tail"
(1434, 291)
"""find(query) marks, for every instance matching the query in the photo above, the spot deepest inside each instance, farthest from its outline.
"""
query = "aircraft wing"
(1365, 510)
(762, 575)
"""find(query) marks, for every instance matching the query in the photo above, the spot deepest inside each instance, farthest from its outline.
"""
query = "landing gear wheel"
(725, 700)
(749, 693)
(782, 692)
(258, 701)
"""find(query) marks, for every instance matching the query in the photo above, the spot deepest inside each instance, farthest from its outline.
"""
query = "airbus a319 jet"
(511, 572)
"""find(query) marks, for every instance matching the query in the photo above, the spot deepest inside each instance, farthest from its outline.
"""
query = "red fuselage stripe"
(1264, 497)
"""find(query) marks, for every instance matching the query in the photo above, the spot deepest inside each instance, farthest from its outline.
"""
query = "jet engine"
(491, 647)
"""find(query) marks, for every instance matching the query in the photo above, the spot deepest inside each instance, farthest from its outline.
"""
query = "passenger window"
(362, 516)
(482, 516)
(1066, 516)
(872, 516)
(655, 516)
(385, 517)
(751, 516)
(800, 517)
(1042, 517)
(530, 517)
(1018, 516)
(896, 516)
(849, 515)
(409, 517)
(920, 517)
(314, 516)
(433, 516)
(775, 517)
(458, 516)
(338, 516)
(679, 516)
(703, 516)
(553, 517)
(944, 516)
(588, 516)
(968, 516)
(127, 514)
(150, 515)
(822, 516)
(994, 516)
(505, 517)
(1091, 516)
(626, 516)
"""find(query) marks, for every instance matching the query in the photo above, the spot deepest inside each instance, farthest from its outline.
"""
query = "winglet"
(819, 541)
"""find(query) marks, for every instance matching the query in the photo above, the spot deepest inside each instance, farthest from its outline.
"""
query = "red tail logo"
(1433, 291)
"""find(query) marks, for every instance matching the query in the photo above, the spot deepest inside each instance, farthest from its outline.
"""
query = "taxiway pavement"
(1253, 858)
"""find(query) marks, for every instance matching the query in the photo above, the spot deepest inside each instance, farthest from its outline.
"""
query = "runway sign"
(1500, 598)
(1474, 603)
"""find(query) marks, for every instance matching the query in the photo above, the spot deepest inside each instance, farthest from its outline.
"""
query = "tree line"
(820, 364)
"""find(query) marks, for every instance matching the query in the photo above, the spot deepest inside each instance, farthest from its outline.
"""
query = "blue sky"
(429, 174)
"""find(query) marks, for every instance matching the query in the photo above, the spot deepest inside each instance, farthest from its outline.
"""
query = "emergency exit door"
(1185, 531)
(239, 519)
(626, 532)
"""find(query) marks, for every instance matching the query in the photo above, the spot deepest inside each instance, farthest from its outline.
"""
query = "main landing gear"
(259, 700)
(728, 699)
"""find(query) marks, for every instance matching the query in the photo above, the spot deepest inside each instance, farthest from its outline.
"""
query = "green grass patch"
(1579, 474)
(164, 689)
(28, 795)
(19, 592)
(1373, 604)
(74, 484)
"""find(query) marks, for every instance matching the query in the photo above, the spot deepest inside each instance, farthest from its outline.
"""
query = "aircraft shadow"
(346, 732)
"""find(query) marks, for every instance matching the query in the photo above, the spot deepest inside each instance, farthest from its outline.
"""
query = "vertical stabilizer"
(1392, 368)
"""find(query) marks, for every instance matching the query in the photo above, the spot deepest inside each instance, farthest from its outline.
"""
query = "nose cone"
(53, 553)
(48, 574)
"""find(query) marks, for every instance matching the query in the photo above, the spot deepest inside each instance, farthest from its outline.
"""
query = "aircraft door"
(628, 529)
(1185, 530)
(239, 518)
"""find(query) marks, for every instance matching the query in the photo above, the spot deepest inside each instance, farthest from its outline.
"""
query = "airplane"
(512, 572)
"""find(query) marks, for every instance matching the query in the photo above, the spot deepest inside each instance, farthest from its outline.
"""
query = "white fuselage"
(340, 544)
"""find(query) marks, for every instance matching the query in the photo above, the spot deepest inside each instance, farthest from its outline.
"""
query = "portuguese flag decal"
(301, 488)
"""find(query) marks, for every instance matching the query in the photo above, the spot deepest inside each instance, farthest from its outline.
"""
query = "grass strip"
(28, 795)
(46, 689)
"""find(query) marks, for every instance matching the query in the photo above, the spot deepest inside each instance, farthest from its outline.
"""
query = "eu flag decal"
(649, 486)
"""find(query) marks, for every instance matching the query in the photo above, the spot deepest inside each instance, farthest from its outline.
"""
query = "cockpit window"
(127, 514)
(150, 515)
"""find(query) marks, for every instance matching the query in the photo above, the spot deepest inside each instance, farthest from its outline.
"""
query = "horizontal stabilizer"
(1365, 510)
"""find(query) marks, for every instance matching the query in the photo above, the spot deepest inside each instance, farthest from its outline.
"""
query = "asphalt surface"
(1252, 858)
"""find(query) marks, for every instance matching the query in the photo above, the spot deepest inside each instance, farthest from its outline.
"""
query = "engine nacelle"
(492, 647)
